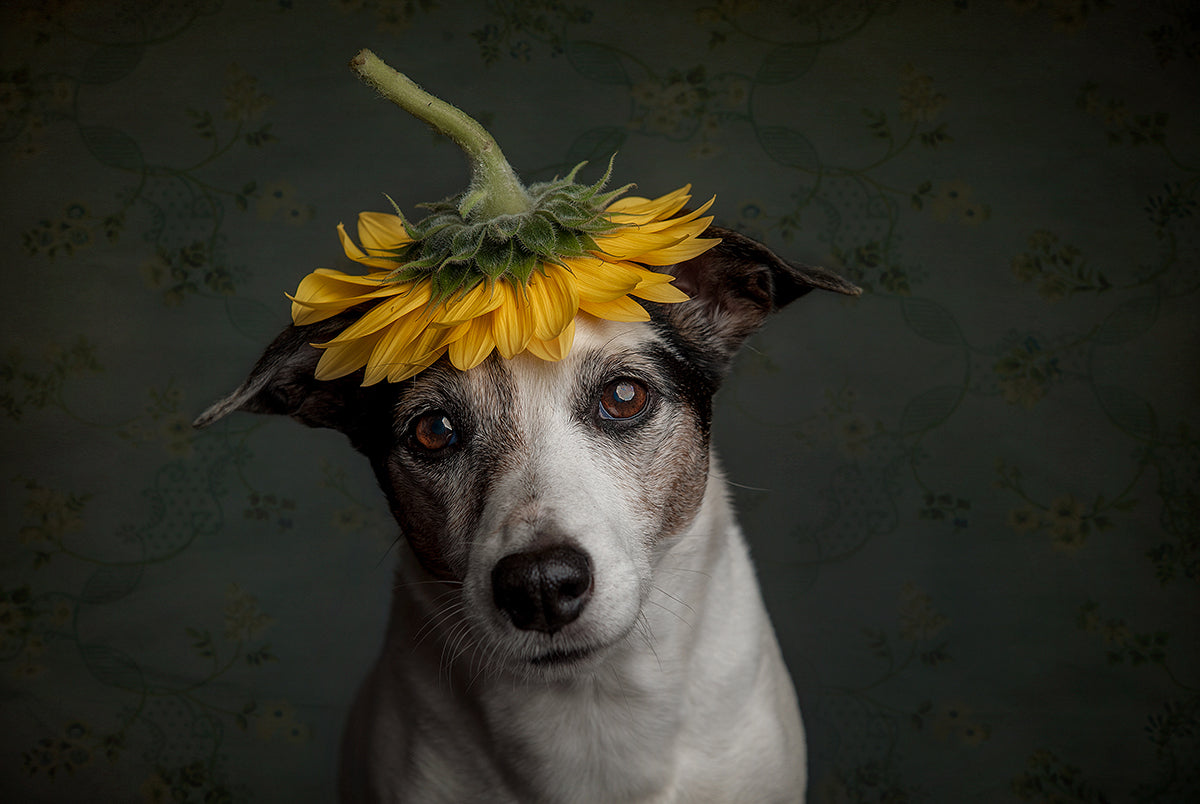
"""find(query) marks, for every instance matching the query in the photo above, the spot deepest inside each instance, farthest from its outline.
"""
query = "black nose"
(543, 589)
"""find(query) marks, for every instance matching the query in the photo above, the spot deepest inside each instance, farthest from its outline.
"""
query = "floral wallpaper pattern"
(973, 494)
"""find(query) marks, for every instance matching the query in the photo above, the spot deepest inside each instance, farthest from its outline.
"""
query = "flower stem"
(495, 189)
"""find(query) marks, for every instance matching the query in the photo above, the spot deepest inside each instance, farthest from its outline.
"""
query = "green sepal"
(456, 253)
(450, 280)
(495, 257)
(537, 235)
(467, 242)
(569, 244)
(522, 265)
(504, 228)
(408, 229)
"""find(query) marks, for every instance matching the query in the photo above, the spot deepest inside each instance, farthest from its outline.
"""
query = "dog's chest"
(612, 734)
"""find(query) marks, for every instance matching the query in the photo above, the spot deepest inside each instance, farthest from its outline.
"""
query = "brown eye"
(434, 431)
(622, 399)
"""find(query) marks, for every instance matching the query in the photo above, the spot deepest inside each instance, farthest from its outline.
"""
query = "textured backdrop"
(973, 494)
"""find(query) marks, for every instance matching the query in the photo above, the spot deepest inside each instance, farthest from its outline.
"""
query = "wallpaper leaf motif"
(597, 62)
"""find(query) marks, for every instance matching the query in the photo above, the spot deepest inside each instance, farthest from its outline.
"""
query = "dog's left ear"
(283, 382)
(733, 288)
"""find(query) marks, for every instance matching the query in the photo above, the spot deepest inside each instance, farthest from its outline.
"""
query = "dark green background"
(972, 494)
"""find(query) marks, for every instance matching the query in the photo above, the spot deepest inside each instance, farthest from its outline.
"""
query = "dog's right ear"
(283, 382)
(733, 288)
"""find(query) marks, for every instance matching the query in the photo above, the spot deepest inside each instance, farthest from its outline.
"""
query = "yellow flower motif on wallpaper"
(281, 201)
(1026, 371)
(1057, 269)
(1067, 519)
(277, 720)
(155, 790)
(244, 620)
(952, 202)
(72, 749)
(243, 101)
(51, 514)
(919, 620)
(178, 435)
(1024, 519)
(1066, 522)
(920, 102)
(956, 721)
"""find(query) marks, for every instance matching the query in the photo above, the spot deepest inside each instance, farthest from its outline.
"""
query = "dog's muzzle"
(543, 589)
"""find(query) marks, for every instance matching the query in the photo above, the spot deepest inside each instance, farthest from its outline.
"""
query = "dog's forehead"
(599, 346)
(601, 350)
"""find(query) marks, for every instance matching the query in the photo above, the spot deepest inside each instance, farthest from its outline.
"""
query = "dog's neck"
(636, 703)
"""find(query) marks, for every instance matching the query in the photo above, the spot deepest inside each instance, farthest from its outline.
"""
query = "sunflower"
(499, 267)
(407, 328)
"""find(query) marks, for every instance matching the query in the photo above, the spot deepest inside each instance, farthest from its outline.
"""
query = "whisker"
(670, 611)
(677, 600)
(436, 620)
(648, 637)
(389, 549)
(451, 650)
(748, 488)
(485, 664)
(621, 687)
(705, 573)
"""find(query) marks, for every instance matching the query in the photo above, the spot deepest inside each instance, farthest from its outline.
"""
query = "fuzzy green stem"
(495, 189)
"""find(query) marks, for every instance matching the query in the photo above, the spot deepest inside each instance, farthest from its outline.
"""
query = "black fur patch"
(435, 497)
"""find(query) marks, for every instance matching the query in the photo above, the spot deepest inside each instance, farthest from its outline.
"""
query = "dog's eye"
(434, 431)
(623, 399)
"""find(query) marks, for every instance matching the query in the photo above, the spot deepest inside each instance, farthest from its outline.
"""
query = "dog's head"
(542, 491)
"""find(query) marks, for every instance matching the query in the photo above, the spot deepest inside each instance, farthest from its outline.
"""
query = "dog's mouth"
(561, 658)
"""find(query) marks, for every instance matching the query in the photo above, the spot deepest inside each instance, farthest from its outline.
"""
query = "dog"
(575, 616)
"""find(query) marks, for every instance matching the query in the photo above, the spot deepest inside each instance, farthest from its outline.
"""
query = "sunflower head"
(499, 267)
(453, 250)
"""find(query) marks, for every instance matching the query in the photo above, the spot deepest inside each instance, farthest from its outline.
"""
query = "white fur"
(684, 698)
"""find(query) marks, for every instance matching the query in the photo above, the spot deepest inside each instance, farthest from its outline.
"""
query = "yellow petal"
(664, 223)
(622, 309)
(325, 293)
(304, 315)
(389, 311)
(379, 231)
(650, 209)
(556, 348)
(324, 285)
(479, 300)
(600, 280)
(680, 252)
(358, 255)
(425, 351)
(631, 243)
(552, 300)
(400, 347)
(679, 227)
(663, 292)
(342, 359)
(511, 324)
(472, 344)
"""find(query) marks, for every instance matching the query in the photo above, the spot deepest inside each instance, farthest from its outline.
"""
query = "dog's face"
(540, 493)
(544, 488)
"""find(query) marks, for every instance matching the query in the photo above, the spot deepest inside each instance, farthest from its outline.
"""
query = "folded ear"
(733, 288)
(283, 382)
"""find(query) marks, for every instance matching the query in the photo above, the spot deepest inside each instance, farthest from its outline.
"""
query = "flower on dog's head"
(498, 268)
